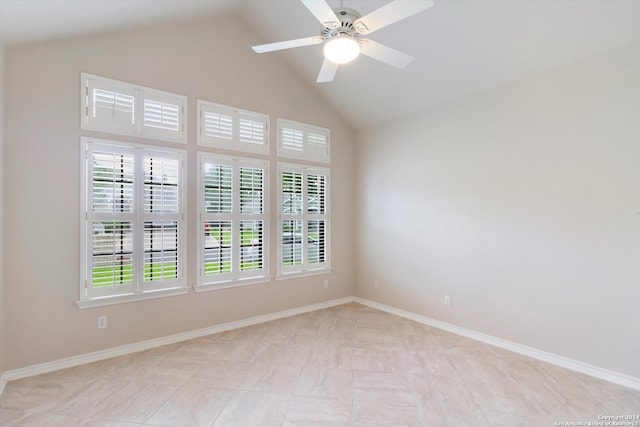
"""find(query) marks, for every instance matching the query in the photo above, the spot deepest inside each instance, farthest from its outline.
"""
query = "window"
(226, 127)
(301, 141)
(122, 108)
(133, 221)
(233, 221)
(304, 219)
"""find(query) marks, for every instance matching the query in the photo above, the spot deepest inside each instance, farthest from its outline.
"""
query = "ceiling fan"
(343, 30)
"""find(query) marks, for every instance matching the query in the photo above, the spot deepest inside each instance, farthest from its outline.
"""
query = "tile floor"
(349, 365)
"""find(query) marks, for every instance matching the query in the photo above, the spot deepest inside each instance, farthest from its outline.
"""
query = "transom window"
(126, 109)
(302, 141)
(231, 128)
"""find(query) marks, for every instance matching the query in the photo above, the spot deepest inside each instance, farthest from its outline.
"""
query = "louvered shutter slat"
(218, 125)
(161, 115)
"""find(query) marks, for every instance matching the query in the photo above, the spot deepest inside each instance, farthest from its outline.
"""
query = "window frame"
(139, 288)
(307, 134)
(235, 277)
(305, 268)
(142, 110)
(234, 141)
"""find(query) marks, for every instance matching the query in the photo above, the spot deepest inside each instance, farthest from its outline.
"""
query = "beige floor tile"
(40, 419)
(99, 396)
(507, 419)
(10, 416)
(382, 387)
(285, 354)
(312, 411)
(325, 354)
(461, 417)
(272, 378)
(98, 423)
(206, 350)
(192, 406)
(326, 383)
(140, 405)
(346, 365)
(222, 374)
(382, 413)
(42, 393)
(353, 357)
(253, 408)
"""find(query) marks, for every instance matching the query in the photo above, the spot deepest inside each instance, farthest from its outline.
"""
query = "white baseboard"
(69, 362)
(575, 365)
(3, 382)
(565, 362)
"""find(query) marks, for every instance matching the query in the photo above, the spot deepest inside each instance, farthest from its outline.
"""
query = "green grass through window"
(123, 274)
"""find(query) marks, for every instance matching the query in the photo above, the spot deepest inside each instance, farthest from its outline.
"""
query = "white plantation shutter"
(216, 219)
(162, 115)
(302, 141)
(227, 127)
(292, 139)
(134, 226)
(162, 215)
(303, 219)
(317, 218)
(112, 181)
(252, 217)
(126, 109)
(217, 126)
(113, 104)
(233, 218)
(317, 144)
(111, 257)
(161, 185)
(109, 105)
(251, 128)
(110, 219)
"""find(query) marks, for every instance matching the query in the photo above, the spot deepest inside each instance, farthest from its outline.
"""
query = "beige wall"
(2, 308)
(207, 59)
(523, 204)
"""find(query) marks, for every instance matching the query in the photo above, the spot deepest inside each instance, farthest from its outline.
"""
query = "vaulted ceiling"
(460, 46)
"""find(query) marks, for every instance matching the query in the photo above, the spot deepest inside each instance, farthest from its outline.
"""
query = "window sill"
(122, 299)
(231, 284)
(295, 275)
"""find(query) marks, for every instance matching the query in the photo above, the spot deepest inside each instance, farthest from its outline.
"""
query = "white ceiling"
(461, 46)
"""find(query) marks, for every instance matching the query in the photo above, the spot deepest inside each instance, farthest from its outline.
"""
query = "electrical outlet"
(376, 283)
(325, 284)
(102, 322)
(447, 300)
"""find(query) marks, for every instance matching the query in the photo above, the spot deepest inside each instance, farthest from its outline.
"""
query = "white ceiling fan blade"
(270, 47)
(384, 53)
(390, 13)
(321, 10)
(327, 71)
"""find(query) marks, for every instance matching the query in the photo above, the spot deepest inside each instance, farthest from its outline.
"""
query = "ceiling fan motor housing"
(344, 27)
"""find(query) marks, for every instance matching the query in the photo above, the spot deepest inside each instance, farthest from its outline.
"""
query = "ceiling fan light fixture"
(341, 49)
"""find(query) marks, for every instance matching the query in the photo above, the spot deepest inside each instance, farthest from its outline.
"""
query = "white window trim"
(234, 142)
(306, 273)
(234, 278)
(305, 269)
(125, 298)
(140, 94)
(307, 132)
(138, 292)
